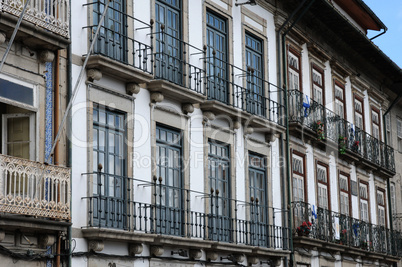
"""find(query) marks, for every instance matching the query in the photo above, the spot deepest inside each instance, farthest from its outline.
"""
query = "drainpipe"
(285, 86)
(56, 124)
(69, 136)
(378, 35)
(397, 99)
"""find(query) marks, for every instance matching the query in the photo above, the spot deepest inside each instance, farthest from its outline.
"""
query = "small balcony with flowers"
(44, 25)
(335, 232)
(310, 120)
(169, 217)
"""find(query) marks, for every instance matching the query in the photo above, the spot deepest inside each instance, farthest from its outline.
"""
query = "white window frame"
(339, 101)
(359, 117)
(375, 121)
(399, 133)
(344, 194)
(363, 198)
(381, 207)
(322, 187)
(294, 71)
(32, 131)
(298, 179)
(318, 86)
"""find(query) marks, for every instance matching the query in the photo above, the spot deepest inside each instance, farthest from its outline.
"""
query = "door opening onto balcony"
(112, 38)
(18, 140)
(169, 193)
(255, 103)
(109, 186)
(258, 201)
(217, 66)
(219, 223)
(168, 54)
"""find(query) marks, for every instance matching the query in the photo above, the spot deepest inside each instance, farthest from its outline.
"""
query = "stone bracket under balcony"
(306, 242)
(257, 123)
(114, 68)
(31, 224)
(175, 92)
(32, 35)
(177, 241)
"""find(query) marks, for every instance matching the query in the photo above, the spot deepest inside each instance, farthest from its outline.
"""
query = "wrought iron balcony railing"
(53, 16)
(169, 58)
(336, 129)
(34, 189)
(117, 45)
(170, 212)
(344, 230)
(248, 92)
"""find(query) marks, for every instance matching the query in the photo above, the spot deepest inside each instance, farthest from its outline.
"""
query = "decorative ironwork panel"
(33, 188)
(50, 15)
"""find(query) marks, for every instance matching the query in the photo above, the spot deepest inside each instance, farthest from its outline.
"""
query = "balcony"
(252, 99)
(183, 72)
(34, 189)
(343, 233)
(330, 131)
(170, 218)
(45, 24)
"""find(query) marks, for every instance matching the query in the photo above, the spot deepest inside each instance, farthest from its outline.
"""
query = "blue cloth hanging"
(306, 107)
(314, 213)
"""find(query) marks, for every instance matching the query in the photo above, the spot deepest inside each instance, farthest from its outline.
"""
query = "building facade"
(34, 180)
(201, 133)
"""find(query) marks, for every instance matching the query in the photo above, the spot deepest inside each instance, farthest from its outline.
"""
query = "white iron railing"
(52, 15)
(33, 188)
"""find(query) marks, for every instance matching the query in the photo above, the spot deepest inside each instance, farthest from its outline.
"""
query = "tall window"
(258, 199)
(111, 41)
(375, 119)
(108, 150)
(388, 128)
(318, 85)
(339, 99)
(344, 194)
(364, 206)
(359, 116)
(298, 178)
(218, 174)
(294, 70)
(217, 58)
(393, 202)
(323, 192)
(255, 103)
(399, 133)
(168, 40)
(169, 195)
(381, 215)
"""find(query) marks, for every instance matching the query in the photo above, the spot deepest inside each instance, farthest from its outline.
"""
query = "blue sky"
(390, 13)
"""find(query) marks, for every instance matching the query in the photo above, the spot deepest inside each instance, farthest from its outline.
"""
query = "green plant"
(342, 144)
(319, 129)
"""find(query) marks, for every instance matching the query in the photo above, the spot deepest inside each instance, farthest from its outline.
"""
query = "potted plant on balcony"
(344, 237)
(355, 146)
(304, 229)
(342, 144)
(367, 245)
(318, 127)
